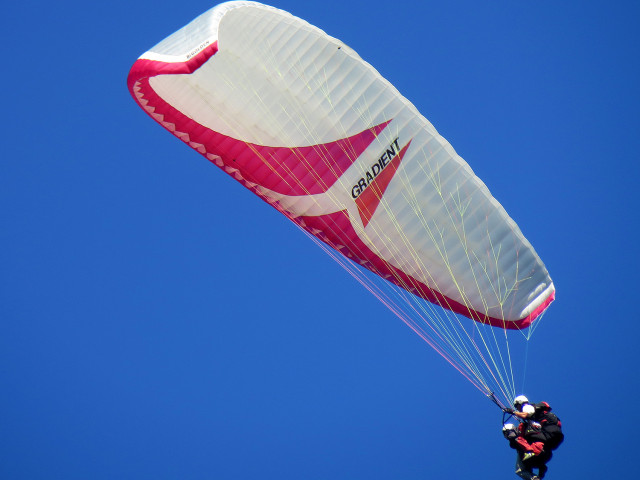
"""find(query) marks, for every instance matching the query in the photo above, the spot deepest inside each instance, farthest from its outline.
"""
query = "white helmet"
(529, 410)
(508, 426)
(519, 401)
(509, 431)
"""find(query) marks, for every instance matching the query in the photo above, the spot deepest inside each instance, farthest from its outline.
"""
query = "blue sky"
(128, 347)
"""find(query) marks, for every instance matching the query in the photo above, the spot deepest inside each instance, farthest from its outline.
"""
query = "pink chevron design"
(369, 199)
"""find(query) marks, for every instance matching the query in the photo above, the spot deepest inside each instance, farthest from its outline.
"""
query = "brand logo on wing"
(368, 191)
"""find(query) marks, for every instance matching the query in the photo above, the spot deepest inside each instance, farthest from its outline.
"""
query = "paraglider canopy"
(298, 118)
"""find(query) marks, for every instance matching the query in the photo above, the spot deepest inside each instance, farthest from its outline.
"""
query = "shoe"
(535, 477)
(527, 456)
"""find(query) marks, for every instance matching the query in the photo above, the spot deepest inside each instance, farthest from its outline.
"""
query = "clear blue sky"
(128, 349)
